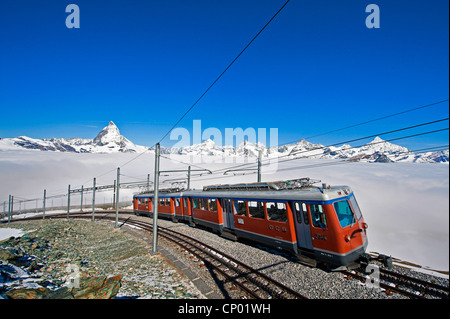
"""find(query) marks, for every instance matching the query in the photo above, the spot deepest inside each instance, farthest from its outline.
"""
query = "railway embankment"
(81, 259)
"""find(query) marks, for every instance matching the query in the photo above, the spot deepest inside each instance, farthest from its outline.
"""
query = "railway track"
(251, 281)
(236, 274)
(408, 286)
(254, 284)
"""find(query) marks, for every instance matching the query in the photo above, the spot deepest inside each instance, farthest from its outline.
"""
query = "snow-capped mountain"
(377, 150)
(109, 140)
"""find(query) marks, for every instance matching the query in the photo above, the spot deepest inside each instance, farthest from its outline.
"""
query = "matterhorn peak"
(377, 140)
(109, 134)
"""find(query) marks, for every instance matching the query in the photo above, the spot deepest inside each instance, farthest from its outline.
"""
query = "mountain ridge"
(109, 140)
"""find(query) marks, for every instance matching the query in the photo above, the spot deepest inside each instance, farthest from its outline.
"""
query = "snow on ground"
(6, 233)
(406, 205)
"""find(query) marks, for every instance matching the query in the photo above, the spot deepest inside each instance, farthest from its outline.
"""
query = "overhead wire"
(334, 144)
(211, 85)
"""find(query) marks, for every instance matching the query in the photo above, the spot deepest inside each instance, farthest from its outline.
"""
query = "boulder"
(101, 287)
(7, 255)
(98, 288)
(23, 293)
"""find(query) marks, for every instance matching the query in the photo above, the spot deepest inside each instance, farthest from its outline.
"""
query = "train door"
(302, 227)
(227, 213)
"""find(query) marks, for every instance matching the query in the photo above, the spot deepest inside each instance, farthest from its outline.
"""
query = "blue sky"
(141, 64)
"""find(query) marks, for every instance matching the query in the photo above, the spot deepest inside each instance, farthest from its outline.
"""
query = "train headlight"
(365, 226)
(347, 238)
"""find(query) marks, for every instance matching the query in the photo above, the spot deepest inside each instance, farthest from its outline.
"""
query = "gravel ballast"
(99, 249)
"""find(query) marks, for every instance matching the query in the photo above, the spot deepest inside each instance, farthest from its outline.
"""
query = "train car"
(316, 224)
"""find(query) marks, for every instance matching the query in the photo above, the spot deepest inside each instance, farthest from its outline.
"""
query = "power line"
(338, 162)
(206, 91)
(350, 147)
(226, 69)
(383, 133)
(339, 143)
(376, 119)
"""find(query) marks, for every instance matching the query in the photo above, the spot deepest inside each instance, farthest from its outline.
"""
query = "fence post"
(68, 201)
(117, 198)
(43, 205)
(9, 209)
(12, 208)
(93, 202)
(114, 195)
(82, 190)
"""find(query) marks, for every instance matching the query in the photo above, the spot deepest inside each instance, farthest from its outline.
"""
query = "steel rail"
(244, 274)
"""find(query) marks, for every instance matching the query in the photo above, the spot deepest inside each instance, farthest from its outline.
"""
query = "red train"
(317, 224)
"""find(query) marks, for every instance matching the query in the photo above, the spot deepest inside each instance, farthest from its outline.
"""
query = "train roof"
(320, 194)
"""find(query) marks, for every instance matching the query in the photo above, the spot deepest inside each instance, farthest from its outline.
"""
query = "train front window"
(355, 207)
(344, 213)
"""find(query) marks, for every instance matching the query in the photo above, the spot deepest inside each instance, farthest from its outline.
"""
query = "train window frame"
(240, 210)
(305, 214)
(355, 205)
(318, 217)
(196, 203)
(204, 204)
(256, 213)
(211, 209)
(342, 216)
(277, 215)
(298, 212)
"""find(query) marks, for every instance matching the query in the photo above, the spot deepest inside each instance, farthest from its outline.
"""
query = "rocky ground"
(60, 253)
(51, 251)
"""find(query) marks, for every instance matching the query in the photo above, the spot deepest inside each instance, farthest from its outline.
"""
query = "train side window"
(167, 201)
(318, 216)
(177, 202)
(204, 203)
(256, 209)
(185, 202)
(161, 202)
(240, 208)
(196, 202)
(213, 205)
(276, 212)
